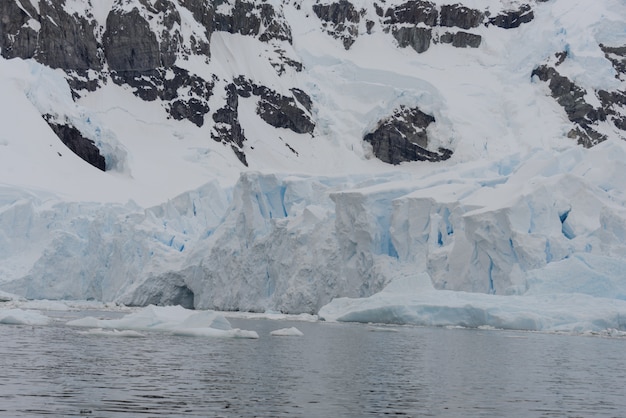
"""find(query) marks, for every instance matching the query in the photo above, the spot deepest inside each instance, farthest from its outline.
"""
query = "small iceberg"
(22, 317)
(287, 332)
(174, 319)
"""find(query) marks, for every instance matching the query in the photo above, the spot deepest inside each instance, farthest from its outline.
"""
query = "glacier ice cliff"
(550, 223)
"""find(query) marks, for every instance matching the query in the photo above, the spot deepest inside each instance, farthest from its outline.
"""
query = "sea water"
(333, 370)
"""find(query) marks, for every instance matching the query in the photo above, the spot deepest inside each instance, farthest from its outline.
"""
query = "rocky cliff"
(146, 46)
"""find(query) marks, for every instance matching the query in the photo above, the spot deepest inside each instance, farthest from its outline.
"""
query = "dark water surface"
(335, 370)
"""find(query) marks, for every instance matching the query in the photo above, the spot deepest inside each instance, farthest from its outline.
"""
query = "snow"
(174, 319)
(287, 332)
(521, 228)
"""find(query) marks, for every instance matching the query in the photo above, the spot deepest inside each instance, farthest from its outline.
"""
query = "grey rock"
(227, 128)
(460, 16)
(282, 112)
(572, 98)
(402, 137)
(77, 143)
(343, 18)
(16, 39)
(129, 44)
(413, 12)
(164, 84)
(65, 41)
(617, 56)
(416, 37)
(513, 18)
(246, 18)
(461, 39)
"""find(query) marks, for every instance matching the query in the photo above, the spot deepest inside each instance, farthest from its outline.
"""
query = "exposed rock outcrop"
(463, 17)
(248, 18)
(573, 98)
(513, 18)
(77, 143)
(278, 110)
(227, 128)
(17, 38)
(403, 137)
(343, 19)
(461, 39)
(416, 37)
(66, 41)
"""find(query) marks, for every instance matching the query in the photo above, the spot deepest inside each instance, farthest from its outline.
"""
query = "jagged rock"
(460, 16)
(513, 18)
(402, 137)
(17, 39)
(461, 39)
(227, 128)
(165, 84)
(192, 110)
(416, 37)
(413, 12)
(129, 44)
(278, 110)
(572, 98)
(568, 95)
(282, 112)
(344, 19)
(65, 41)
(617, 56)
(77, 143)
(302, 98)
(248, 19)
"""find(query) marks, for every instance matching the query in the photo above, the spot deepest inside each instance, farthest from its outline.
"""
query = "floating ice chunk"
(22, 317)
(175, 319)
(113, 333)
(421, 306)
(287, 332)
(382, 329)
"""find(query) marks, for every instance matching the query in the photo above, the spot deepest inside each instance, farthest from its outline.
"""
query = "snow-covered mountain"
(274, 155)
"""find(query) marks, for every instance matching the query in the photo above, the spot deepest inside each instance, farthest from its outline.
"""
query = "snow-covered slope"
(247, 150)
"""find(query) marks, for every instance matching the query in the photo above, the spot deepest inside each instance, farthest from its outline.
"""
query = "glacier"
(521, 228)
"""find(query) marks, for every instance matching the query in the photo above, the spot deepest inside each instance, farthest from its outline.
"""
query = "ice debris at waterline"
(412, 300)
(22, 317)
(174, 319)
(287, 332)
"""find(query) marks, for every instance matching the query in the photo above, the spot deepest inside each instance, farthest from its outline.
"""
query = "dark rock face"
(77, 143)
(165, 84)
(248, 19)
(617, 56)
(343, 18)
(282, 112)
(227, 128)
(571, 97)
(413, 12)
(129, 44)
(278, 110)
(460, 16)
(402, 137)
(417, 38)
(17, 39)
(67, 42)
(513, 18)
(461, 39)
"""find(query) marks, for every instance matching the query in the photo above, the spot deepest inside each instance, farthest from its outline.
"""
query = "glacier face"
(519, 210)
